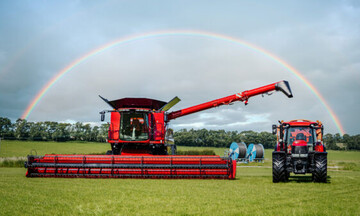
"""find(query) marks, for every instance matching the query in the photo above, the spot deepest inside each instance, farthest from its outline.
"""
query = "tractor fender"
(320, 148)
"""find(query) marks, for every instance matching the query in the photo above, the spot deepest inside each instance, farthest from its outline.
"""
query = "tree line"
(54, 131)
(51, 131)
(222, 138)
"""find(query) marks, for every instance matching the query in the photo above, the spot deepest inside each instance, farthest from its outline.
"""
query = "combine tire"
(279, 168)
(320, 169)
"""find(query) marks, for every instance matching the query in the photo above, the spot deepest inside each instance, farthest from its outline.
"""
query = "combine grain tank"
(140, 139)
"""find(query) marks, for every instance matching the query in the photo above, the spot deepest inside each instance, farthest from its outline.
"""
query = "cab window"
(134, 127)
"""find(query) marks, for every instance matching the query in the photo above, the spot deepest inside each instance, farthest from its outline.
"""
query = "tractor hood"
(135, 103)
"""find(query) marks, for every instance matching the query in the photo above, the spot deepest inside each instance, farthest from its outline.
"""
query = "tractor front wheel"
(279, 168)
(320, 169)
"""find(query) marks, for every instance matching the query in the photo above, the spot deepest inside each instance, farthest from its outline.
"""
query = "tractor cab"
(299, 137)
(298, 133)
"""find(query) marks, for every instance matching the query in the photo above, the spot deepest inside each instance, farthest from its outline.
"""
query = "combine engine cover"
(139, 142)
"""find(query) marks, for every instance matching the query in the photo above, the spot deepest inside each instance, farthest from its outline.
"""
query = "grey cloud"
(318, 39)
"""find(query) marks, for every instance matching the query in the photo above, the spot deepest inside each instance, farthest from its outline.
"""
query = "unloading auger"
(142, 145)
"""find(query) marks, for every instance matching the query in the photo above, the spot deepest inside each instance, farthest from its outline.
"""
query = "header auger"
(140, 140)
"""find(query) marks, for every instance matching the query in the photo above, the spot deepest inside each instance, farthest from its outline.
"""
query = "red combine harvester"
(140, 140)
(300, 150)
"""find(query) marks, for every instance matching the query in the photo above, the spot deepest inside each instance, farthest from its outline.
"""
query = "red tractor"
(299, 150)
(140, 138)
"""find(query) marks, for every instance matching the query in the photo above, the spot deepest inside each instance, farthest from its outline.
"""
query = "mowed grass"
(15, 148)
(251, 193)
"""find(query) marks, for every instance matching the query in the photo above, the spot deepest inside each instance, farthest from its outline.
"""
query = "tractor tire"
(320, 169)
(279, 168)
(287, 176)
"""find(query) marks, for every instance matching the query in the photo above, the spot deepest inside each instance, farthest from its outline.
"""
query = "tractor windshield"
(133, 127)
(299, 133)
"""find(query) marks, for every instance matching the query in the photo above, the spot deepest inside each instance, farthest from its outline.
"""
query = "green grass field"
(252, 193)
(23, 148)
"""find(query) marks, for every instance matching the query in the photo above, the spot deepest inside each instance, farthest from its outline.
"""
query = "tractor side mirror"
(274, 129)
(102, 115)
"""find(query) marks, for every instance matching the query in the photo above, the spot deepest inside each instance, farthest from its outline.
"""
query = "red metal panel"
(114, 126)
(159, 126)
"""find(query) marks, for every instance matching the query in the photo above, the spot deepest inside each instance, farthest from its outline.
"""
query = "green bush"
(12, 163)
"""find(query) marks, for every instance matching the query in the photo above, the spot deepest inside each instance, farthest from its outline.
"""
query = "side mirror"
(274, 129)
(169, 137)
(102, 115)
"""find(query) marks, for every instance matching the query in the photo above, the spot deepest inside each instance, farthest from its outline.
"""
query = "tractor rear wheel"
(320, 169)
(279, 168)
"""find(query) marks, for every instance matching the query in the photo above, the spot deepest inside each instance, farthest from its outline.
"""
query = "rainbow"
(193, 33)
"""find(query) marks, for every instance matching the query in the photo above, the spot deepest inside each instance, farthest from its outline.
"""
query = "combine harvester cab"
(141, 142)
(299, 150)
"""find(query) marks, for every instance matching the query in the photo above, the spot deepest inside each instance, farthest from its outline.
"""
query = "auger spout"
(244, 96)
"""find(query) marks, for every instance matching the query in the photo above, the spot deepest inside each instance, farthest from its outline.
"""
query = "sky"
(320, 39)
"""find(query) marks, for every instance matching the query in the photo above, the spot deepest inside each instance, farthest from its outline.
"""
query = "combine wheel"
(279, 168)
(320, 169)
(109, 152)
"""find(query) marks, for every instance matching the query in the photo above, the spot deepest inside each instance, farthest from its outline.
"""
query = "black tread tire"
(279, 168)
(287, 176)
(320, 169)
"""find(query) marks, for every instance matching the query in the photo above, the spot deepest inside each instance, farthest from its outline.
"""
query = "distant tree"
(86, 132)
(356, 142)
(352, 142)
(37, 131)
(6, 128)
(77, 131)
(103, 133)
(22, 129)
(267, 139)
(62, 132)
(331, 142)
(49, 129)
(94, 133)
